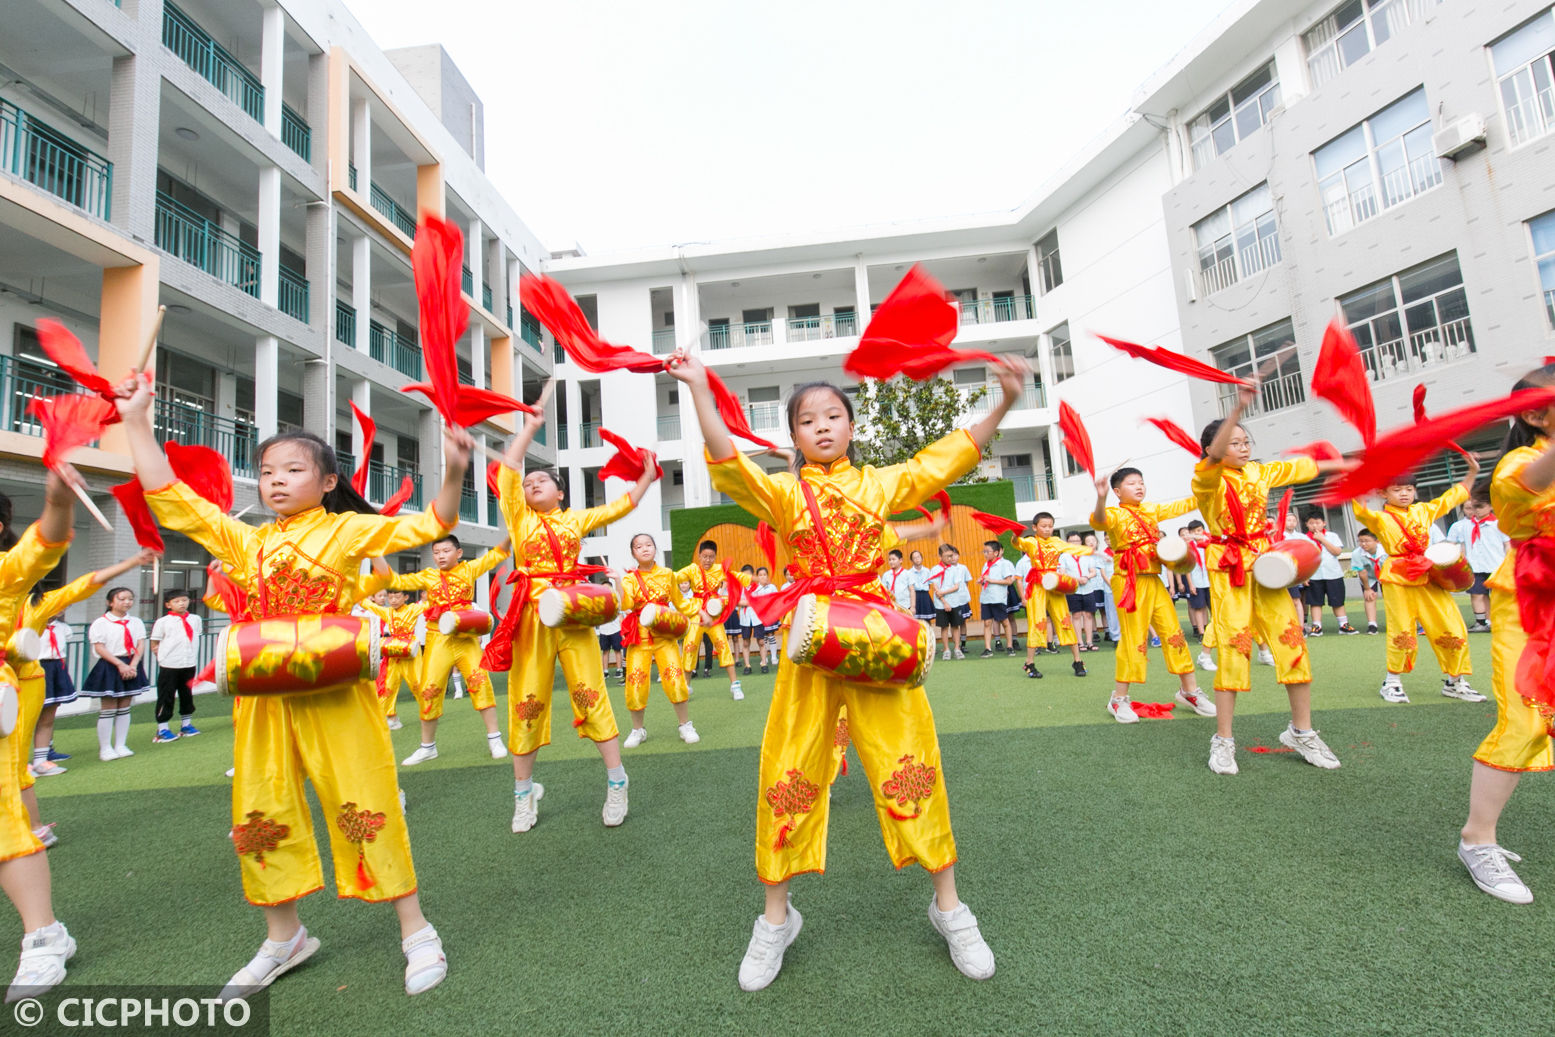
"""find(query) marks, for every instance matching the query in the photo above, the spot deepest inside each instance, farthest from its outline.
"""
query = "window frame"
(1202, 144)
(1375, 201)
(1540, 101)
(1211, 276)
(1403, 356)
(1284, 388)
(1064, 348)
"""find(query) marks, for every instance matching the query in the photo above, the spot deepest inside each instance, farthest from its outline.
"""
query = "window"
(1050, 270)
(1412, 320)
(1386, 160)
(1524, 62)
(765, 408)
(1237, 241)
(1063, 353)
(1543, 229)
(846, 320)
(1355, 30)
(1234, 116)
(1271, 353)
(966, 303)
(1071, 466)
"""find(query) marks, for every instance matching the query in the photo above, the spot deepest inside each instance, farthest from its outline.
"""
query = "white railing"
(1261, 255)
(1531, 117)
(1032, 397)
(1204, 151)
(1345, 212)
(1402, 357)
(765, 415)
(828, 325)
(998, 309)
(1222, 275)
(1275, 394)
(736, 336)
(1403, 183)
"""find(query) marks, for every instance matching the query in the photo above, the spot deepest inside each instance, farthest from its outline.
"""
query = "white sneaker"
(638, 736)
(421, 755)
(968, 950)
(1122, 710)
(402, 800)
(946, 656)
(688, 733)
(526, 809)
(42, 964)
(764, 954)
(1222, 755)
(1312, 748)
(394, 724)
(615, 803)
(1490, 871)
(46, 836)
(1458, 688)
(47, 769)
(107, 755)
(495, 746)
(1392, 690)
(268, 965)
(1207, 662)
(121, 751)
(735, 692)
(425, 962)
(1196, 701)
(1265, 656)
(960, 654)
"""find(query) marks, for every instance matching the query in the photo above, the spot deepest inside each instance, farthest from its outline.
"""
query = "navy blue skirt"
(58, 688)
(105, 682)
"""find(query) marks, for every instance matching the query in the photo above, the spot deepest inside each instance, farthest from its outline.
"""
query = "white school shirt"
(756, 590)
(174, 648)
(612, 627)
(1328, 566)
(1368, 564)
(950, 582)
(110, 633)
(993, 593)
(899, 584)
(1485, 554)
(62, 632)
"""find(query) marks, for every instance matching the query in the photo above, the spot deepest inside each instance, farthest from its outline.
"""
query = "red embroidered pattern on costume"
(294, 587)
(1292, 637)
(1404, 642)
(854, 538)
(1144, 648)
(638, 678)
(1242, 641)
(537, 548)
(840, 737)
(529, 709)
(360, 826)
(793, 797)
(452, 591)
(584, 697)
(1066, 624)
(1177, 640)
(909, 786)
(1546, 713)
(670, 674)
(1450, 642)
(258, 835)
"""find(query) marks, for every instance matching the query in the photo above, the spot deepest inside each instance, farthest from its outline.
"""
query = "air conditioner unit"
(1459, 138)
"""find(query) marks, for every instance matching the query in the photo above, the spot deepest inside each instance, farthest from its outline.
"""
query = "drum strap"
(771, 608)
(1411, 563)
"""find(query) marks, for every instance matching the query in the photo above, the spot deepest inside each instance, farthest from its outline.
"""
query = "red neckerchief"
(183, 617)
(982, 580)
(631, 625)
(1134, 555)
(1411, 562)
(1478, 522)
(124, 625)
(771, 608)
(54, 641)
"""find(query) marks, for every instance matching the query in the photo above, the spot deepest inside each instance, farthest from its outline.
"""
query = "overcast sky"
(615, 124)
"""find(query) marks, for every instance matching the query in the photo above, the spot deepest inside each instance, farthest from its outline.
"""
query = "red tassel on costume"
(766, 539)
(1177, 434)
(843, 770)
(132, 501)
(1162, 357)
(1076, 439)
(548, 302)
(206, 472)
(1322, 450)
(1340, 378)
(70, 422)
(733, 414)
(1419, 404)
(910, 334)
(998, 523)
(397, 499)
(580, 721)
(369, 432)
(901, 817)
(363, 880)
(735, 588)
(782, 839)
(628, 462)
(1404, 448)
(65, 350)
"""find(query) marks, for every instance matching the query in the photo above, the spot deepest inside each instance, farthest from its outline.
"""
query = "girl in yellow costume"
(24, 867)
(1522, 493)
(1043, 550)
(1403, 528)
(709, 582)
(651, 583)
(399, 621)
(1133, 528)
(833, 518)
(307, 563)
(546, 539)
(1232, 493)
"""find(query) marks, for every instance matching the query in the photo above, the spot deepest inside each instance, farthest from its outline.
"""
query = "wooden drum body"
(1287, 563)
(860, 641)
(581, 605)
(1059, 583)
(663, 622)
(290, 655)
(464, 621)
(1175, 554)
(1449, 569)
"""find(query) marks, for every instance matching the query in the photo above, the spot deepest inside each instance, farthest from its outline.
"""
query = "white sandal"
(425, 963)
(42, 964)
(268, 966)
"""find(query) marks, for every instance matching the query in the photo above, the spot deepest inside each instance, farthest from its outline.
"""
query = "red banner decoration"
(1076, 439)
(1340, 378)
(628, 461)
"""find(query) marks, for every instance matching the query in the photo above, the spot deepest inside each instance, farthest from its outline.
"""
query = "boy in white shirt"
(1484, 545)
(1366, 564)
(898, 582)
(1327, 583)
(948, 584)
(767, 634)
(993, 598)
(175, 638)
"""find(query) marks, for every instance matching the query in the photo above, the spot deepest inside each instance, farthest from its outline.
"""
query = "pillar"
(269, 232)
(272, 54)
(267, 384)
(362, 288)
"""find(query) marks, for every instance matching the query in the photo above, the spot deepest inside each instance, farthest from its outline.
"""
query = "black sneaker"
(1348, 629)
(998, 644)
(1315, 631)
(1079, 669)
(707, 671)
(1033, 672)
(987, 654)
(747, 672)
(1014, 644)
(1371, 628)
(763, 667)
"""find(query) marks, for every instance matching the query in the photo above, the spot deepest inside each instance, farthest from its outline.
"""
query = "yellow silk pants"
(693, 645)
(442, 653)
(1044, 604)
(537, 649)
(1520, 741)
(1435, 610)
(1252, 614)
(31, 689)
(640, 657)
(1152, 608)
(403, 670)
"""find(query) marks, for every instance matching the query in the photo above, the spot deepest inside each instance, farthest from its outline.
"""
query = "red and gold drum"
(581, 605)
(1059, 583)
(1449, 569)
(398, 647)
(1175, 554)
(291, 655)
(465, 621)
(663, 622)
(860, 641)
(25, 646)
(1287, 563)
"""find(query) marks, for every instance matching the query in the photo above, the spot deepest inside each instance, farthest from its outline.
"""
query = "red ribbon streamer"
(369, 432)
(1177, 434)
(1076, 439)
(1340, 378)
(1172, 361)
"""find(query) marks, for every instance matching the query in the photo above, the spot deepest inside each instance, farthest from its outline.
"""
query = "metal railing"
(664, 342)
(493, 511)
(1402, 357)
(1531, 117)
(194, 46)
(735, 336)
(1032, 397)
(345, 323)
(825, 326)
(469, 505)
(669, 428)
(237, 441)
(39, 154)
(292, 294)
(486, 296)
(998, 309)
(529, 330)
(296, 133)
(384, 479)
(1218, 276)
(765, 415)
(186, 235)
(588, 434)
(1257, 257)
(1275, 394)
(558, 354)
(1033, 486)
(1403, 183)
(467, 281)
(351, 174)
(387, 347)
(561, 435)
(391, 210)
(21, 382)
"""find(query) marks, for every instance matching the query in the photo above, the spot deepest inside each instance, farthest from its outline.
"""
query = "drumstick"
(151, 340)
(545, 395)
(86, 501)
(156, 576)
(244, 511)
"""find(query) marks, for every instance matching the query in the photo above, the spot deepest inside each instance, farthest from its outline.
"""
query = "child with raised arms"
(652, 584)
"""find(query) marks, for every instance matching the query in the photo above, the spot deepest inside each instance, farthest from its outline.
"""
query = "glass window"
(1412, 320)
(1063, 352)
(1237, 241)
(1234, 116)
(1049, 267)
(1354, 30)
(1386, 160)
(1524, 61)
(1543, 230)
(1271, 354)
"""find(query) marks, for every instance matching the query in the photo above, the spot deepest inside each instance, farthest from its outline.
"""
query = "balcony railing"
(736, 336)
(669, 428)
(384, 479)
(1531, 117)
(529, 330)
(1549, 306)
(292, 297)
(295, 132)
(185, 234)
(1402, 357)
(183, 36)
(47, 159)
(1033, 486)
(467, 282)
(588, 434)
(998, 309)
(469, 505)
(827, 325)
(765, 415)
(237, 441)
(387, 347)
(351, 174)
(345, 323)
(21, 382)
(1275, 394)
(392, 211)
(1403, 183)
(664, 342)
(486, 296)
(558, 354)
(561, 435)
(1221, 275)
(1032, 397)
(1260, 255)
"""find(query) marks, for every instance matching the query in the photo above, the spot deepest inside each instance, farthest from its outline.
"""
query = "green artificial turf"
(1122, 886)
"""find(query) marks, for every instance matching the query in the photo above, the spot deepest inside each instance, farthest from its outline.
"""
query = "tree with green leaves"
(899, 417)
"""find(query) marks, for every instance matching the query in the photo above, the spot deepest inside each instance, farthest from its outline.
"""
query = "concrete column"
(362, 144)
(1290, 64)
(475, 259)
(272, 53)
(861, 290)
(478, 463)
(698, 491)
(269, 228)
(362, 396)
(478, 355)
(226, 394)
(362, 288)
(267, 384)
(429, 429)
(134, 114)
(319, 413)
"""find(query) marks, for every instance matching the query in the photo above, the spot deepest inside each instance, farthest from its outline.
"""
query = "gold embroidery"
(258, 836)
(529, 709)
(909, 786)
